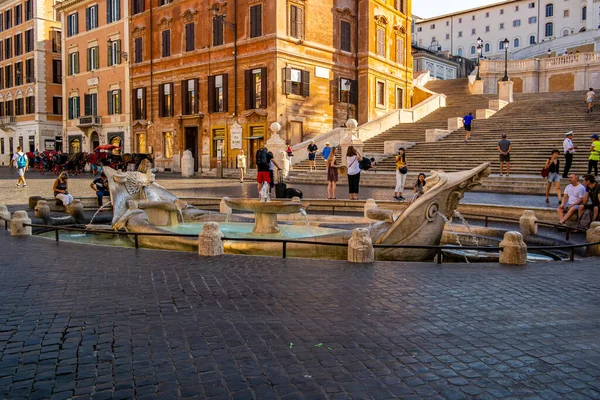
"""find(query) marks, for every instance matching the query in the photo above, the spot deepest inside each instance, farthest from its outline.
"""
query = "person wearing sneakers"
(504, 148)
(553, 167)
(467, 121)
(21, 162)
(569, 149)
(594, 155)
(589, 99)
(573, 197)
(312, 152)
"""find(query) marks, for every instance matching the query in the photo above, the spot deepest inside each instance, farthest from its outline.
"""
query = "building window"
(487, 48)
(502, 25)
(381, 41)
(9, 110)
(166, 43)
(8, 19)
(256, 88)
(137, 6)
(566, 13)
(91, 17)
(28, 40)
(18, 14)
(7, 48)
(531, 39)
(8, 80)
(432, 26)
(114, 52)
(74, 63)
(18, 74)
(296, 22)
(348, 91)
(297, 82)
(399, 98)
(516, 43)
(30, 105)
(114, 102)
(549, 31)
(72, 24)
(189, 37)
(345, 36)
(218, 31)
(57, 105)
(189, 97)
(532, 20)
(487, 28)
(2, 146)
(516, 22)
(74, 107)
(217, 93)
(18, 44)
(19, 109)
(113, 11)
(584, 13)
(472, 18)
(29, 71)
(447, 36)
(139, 109)
(531, 5)
(399, 5)
(165, 100)
(460, 20)
(565, 32)
(460, 51)
(141, 145)
(400, 51)
(256, 21)
(447, 23)
(419, 29)
(501, 45)
(460, 34)
(56, 41)
(28, 10)
(473, 50)
(93, 59)
(1, 78)
(549, 10)
(164, 2)
(472, 31)
(90, 102)
(501, 11)
(138, 50)
(56, 71)
(380, 94)
(167, 145)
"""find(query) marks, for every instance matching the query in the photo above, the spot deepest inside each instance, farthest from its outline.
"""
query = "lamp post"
(506, 43)
(348, 86)
(549, 53)
(479, 52)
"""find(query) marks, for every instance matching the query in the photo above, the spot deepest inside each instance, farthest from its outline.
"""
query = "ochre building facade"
(212, 76)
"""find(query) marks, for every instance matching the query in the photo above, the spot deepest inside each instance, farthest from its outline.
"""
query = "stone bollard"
(209, 241)
(17, 222)
(593, 236)
(369, 204)
(42, 211)
(187, 164)
(224, 208)
(4, 213)
(528, 223)
(76, 210)
(360, 247)
(513, 250)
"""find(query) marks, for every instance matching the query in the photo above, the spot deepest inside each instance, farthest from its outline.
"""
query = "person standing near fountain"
(100, 186)
(332, 175)
(553, 167)
(353, 158)
(401, 172)
(263, 163)
(61, 190)
(21, 161)
(241, 164)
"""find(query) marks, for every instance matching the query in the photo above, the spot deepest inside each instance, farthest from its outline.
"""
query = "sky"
(432, 8)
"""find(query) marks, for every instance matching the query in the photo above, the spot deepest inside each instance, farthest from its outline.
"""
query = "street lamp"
(549, 53)
(505, 43)
(479, 53)
(348, 86)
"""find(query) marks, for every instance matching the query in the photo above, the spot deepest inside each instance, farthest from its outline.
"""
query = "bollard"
(42, 211)
(17, 224)
(209, 241)
(528, 223)
(369, 204)
(360, 247)
(76, 210)
(4, 213)
(224, 208)
(513, 250)
(593, 236)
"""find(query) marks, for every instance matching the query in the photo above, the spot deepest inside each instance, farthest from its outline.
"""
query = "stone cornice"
(64, 5)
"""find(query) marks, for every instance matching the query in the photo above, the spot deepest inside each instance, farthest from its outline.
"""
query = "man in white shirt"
(574, 194)
(589, 99)
(569, 150)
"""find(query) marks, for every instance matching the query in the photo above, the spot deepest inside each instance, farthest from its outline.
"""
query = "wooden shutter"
(70, 105)
(196, 96)
(300, 22)
(89, 59)
(287, 80)
(119, 51)
(305, 83)
(172, 98)
(184, 99)
(263, 87)
(225, 93)
(119, 103)
(248, 92)
(161, 100)
(77, 107)
(76, 23)
(345, 36)
(87, 19)
(211, 94)
(86, 104)
(293, 21)
(110, 102)
(144, 108)
(109, 16)
(189, 37)
(109, 54)
(76, 62)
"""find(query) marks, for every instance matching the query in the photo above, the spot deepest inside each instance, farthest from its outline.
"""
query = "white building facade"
(522, 22)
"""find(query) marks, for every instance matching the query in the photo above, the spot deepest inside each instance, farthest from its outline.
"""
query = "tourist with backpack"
(263, 162)
(21, 162)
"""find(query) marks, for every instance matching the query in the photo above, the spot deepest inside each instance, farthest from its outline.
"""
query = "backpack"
(22, 161)
(585, 220)
(261, 158)
(365, 164)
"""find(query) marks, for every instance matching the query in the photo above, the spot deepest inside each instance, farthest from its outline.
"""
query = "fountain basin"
(245, 230)
(265, 212)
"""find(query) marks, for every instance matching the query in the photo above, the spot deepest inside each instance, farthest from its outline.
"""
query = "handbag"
(403, 170)
(544, 172)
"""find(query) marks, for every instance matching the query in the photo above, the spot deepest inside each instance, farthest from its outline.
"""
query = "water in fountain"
(303, 212)
(454, 232)
(265, 192)
(96, 214)
(466, 224)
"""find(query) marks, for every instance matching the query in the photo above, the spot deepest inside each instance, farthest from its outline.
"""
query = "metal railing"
(90, 120)
(284, 242)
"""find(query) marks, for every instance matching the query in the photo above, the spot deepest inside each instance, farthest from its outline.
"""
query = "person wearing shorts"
(573, 197)
(20, 169)
(504, 148)
(589, 99)
(467, 121)
(312, 153)
(592, 195)
(553, 167)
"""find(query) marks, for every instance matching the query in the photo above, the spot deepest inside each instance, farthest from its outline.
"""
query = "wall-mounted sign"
(321, 72)
(93, 81)
(49, 145)
(235, 133)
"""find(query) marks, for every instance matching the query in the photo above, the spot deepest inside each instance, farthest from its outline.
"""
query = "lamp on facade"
(348, 86)
(505, 43)
(479, 53)
(123, 53)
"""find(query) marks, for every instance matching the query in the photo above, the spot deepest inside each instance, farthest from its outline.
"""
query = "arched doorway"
(116, 140)
(94, 141)
(75, 145)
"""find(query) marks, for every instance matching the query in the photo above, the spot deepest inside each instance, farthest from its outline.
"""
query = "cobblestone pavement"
(100, 323)
(79, 186)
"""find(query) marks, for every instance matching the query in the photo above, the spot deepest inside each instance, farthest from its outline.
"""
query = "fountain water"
(442, 216)
(96, 214)
(466, 224)
(265, 192)
(303, 212)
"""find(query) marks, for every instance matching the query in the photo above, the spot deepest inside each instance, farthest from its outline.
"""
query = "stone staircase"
(535, 123)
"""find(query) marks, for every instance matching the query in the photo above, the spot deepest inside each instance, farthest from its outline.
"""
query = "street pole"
(505, 78)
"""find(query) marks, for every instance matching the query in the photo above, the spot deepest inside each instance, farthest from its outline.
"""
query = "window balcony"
(89, 121)
(8, 123)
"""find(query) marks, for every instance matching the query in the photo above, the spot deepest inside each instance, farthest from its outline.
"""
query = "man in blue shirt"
(467, 120)
(100, 186)
(326, 151)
